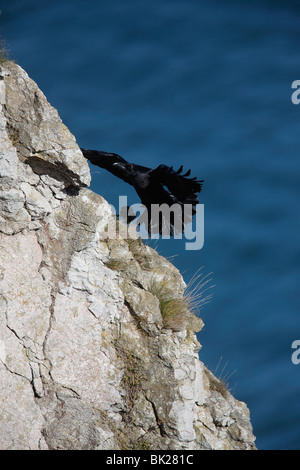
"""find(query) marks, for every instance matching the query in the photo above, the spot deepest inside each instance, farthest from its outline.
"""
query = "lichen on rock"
(87, 360)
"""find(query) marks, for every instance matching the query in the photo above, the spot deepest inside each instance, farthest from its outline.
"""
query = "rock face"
(87, 359)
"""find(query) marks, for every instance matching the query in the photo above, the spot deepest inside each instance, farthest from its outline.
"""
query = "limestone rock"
(86, 358)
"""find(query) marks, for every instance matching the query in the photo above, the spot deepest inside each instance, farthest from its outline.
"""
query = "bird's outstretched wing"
(112, 162)
(183, 189)
(173, 187)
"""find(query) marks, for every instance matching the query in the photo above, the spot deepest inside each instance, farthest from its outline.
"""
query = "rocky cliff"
(90, 357)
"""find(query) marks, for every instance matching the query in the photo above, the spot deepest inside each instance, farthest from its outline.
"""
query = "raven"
(163, 185)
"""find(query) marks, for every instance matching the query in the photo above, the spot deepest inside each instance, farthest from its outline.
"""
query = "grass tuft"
(173, 310)
(177, 312)
(4, 52)
(224, 377)
(198, 285)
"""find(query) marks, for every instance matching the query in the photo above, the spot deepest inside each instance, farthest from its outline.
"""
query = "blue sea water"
(206, 84)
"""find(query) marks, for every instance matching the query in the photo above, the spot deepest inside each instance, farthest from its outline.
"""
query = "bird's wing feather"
(183, 188)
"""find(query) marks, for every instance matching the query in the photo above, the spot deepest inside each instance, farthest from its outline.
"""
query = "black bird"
(162, 185)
